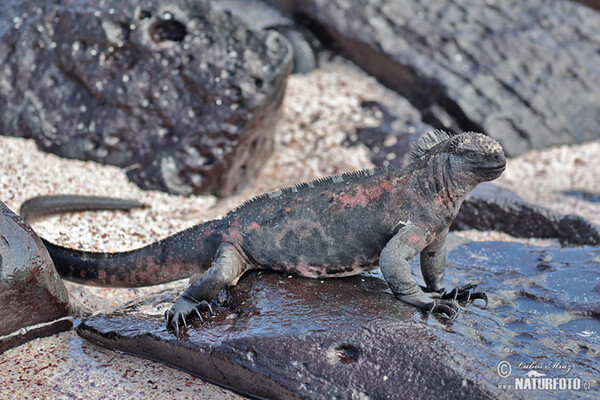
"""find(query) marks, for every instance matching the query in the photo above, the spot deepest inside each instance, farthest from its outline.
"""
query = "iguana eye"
(471, 155)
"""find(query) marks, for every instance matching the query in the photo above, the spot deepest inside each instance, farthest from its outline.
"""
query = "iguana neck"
(445, 188)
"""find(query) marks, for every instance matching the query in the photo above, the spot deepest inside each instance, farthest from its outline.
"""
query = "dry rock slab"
(33, 300)
(181, 93)
(524, 72)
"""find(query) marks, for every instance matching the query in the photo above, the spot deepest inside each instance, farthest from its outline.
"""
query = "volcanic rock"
(33, 300)
(259, 15)
(490, 207)
(524, 72)
(182, 94)
(398, 124)
(291, 338)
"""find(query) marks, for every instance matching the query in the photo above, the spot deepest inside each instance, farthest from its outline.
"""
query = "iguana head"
(477, 155)
(474, 156)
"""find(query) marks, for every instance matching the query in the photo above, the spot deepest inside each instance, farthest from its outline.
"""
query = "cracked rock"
(524, 72)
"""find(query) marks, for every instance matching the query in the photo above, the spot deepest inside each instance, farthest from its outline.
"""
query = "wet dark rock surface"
(283, 337)
(490, 207)
(181, 93)
(523, 72)
(33, 300)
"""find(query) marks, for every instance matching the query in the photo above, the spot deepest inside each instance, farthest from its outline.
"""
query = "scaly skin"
(337, 226)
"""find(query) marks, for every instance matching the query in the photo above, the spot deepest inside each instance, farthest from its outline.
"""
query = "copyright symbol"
(504, 369)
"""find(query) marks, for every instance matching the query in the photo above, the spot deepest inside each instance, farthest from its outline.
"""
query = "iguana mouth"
(494, 169)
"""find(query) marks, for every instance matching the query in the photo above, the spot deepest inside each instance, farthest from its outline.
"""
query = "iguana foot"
(465, 293)
(448, 308)
(184, 308)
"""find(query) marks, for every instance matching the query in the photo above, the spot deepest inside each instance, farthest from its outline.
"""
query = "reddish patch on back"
(358, 198)
(374, 192)
(233, 234)
(253, 226)
(362, 196)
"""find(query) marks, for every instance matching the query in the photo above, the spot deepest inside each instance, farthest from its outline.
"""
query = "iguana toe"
(464, 294)
(480, 295)
(183, 309)
(444, 307)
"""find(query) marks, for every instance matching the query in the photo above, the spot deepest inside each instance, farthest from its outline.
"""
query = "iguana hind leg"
(228, 266)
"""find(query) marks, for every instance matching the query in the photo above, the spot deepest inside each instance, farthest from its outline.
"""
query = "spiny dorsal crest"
(427, 142)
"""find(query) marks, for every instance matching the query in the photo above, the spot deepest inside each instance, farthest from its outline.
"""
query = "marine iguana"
(332, 227)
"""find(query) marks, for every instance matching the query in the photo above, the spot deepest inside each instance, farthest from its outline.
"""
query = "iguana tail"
(175, 257)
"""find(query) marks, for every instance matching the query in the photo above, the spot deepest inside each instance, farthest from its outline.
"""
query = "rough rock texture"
(490, 207)
(277, 343)
(590, 3)
(33, 300)
(181, 93)
(349, 338)
(394, 127)
(524, 72)
(260, 15)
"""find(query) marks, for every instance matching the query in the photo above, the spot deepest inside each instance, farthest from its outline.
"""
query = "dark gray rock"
(490, 207)
(584, 195)
(590, 3)
(389, 142)
(524, 72)
(275, 342)
(182, 94)
(349, 338)
(33, 300)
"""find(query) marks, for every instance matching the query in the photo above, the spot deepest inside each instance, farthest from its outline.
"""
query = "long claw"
(469, 293)
(451, 295)
(451, 311)
(184, 322)
(454, 294)
(199, 315)
(431, 308)
(480, 295)
(446, 308)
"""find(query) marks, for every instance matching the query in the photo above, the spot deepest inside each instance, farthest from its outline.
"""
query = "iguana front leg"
(228, 266)
(393, 262)
(433, 266)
